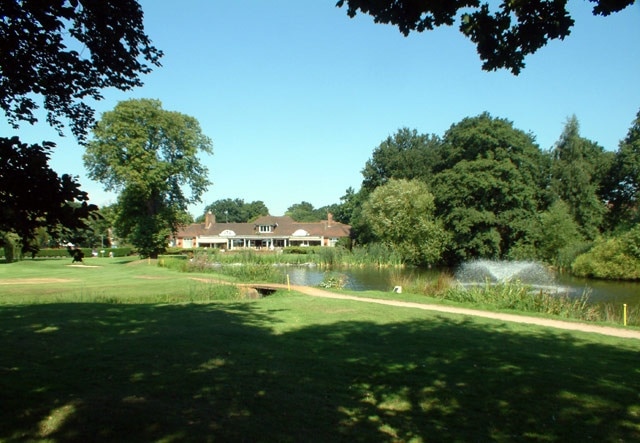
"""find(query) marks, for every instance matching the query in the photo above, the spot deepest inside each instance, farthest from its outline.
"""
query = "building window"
(265, 228)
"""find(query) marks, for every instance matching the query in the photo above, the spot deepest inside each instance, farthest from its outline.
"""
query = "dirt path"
(559, 324)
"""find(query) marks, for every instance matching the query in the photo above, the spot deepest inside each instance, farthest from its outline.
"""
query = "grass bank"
(289, 368)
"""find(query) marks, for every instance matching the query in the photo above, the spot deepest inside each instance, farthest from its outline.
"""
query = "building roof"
(283, 226)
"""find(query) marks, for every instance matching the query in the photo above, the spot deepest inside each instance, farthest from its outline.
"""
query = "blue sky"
(296, 95)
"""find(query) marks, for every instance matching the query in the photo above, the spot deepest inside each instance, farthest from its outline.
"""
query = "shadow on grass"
(100, 372)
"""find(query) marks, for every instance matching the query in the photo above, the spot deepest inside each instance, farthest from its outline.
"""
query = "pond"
(600, 291)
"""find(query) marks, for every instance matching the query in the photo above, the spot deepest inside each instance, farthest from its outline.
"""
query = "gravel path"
(559, 324)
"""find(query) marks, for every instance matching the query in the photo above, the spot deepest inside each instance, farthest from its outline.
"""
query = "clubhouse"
(267, 232)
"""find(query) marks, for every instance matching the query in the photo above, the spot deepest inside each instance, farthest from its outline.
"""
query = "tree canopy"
(49, 201)
(150, 156)
(305, 212)
(401, 214)
(579, 166)
(403, 155)
(503, 35)
(622, 189)
(236, 210)
(67, 51)
(62, 52)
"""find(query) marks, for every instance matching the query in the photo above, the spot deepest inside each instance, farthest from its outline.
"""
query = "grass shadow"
(221, 372)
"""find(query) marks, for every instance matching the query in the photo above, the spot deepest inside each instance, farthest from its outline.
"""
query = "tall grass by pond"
(376, 255)
(256, 266)
(251, 271)
(515, 296)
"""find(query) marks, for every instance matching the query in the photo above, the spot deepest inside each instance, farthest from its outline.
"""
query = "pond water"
(385, 279)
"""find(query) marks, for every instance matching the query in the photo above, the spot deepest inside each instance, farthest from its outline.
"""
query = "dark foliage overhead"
(67, 51)
(33, 196)
(504, 36)
(60, 54)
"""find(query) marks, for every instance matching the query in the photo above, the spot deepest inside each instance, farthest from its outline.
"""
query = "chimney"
(209, 220)
(329, 219)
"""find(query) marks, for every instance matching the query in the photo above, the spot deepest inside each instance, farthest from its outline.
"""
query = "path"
(559, 324)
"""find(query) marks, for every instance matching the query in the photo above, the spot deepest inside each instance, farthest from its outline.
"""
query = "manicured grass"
(291, 368)
(117, 280)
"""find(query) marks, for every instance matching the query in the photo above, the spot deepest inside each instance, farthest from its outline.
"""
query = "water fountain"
(495, 271)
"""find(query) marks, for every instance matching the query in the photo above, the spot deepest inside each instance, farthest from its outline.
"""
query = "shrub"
(11, 247)
(303, 250)
(333, 280)
(608, 259)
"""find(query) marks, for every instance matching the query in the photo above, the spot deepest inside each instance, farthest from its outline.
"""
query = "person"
(78, 255)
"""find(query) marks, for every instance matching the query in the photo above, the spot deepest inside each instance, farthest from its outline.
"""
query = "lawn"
(128, 351)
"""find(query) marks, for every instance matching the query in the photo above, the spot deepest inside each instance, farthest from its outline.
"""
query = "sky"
(295, 95)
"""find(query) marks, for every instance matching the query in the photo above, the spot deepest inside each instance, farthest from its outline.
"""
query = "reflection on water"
(357, 279)
(386, 279)
(603, 290)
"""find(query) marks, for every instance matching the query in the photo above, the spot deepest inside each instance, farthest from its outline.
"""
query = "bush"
(303, 250)
(11, 249)
(608, 259)
(333, 280)
(568, 254)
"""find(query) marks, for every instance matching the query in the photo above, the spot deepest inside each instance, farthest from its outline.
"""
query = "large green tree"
(404, 155)
(490, 182)
(235, 210)
(578, 170)
(401, 214)
(486, 205)
(623, 181)
(150, 156)
(504, 33)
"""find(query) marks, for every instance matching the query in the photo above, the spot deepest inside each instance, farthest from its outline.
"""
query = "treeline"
(486, 190)
(236, 210)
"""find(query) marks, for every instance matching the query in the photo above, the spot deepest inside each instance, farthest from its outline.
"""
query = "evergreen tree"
(577, 174)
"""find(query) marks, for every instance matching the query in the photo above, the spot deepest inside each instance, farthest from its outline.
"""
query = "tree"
(491, 181)
(150, 156)
(578, 169)
(67, 51)
(349, 211)
(405, 155)
(236, 210)
(485, 204)
(485, 136)
(344, 211)
(305, 212)
(401, 215)
(623, 181)
(46, 201)
(557, 231)
(503, 38)
(35, 61)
